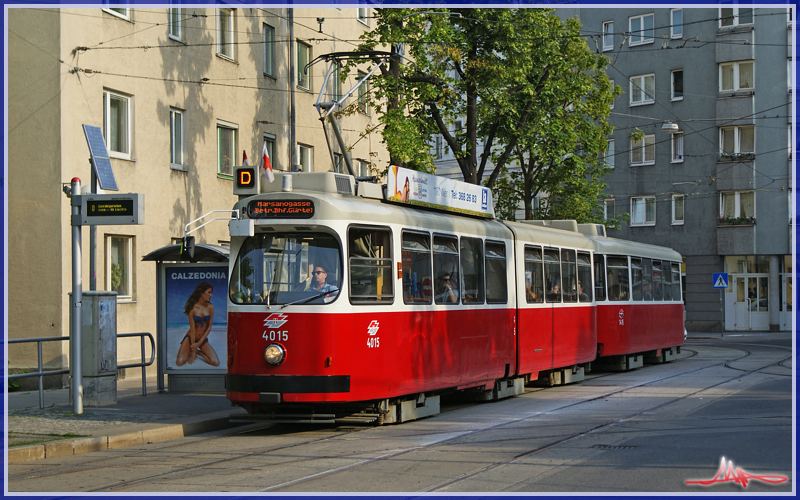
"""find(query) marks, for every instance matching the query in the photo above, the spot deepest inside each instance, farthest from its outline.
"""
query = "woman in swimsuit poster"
(200, 312)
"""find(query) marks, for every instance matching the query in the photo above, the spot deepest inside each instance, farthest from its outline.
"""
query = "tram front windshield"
(287, 268)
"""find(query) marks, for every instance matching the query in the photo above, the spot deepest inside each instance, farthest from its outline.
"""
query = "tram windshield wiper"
(309, 299)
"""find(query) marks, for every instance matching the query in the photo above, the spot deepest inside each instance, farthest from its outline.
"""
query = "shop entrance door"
(747, 303)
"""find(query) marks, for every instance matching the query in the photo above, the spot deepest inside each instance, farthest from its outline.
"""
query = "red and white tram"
(342, 303)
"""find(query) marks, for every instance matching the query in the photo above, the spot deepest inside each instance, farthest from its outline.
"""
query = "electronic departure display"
(102, 208)
(280, 209)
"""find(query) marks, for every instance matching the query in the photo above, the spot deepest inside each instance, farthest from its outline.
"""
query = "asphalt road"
(724, 401)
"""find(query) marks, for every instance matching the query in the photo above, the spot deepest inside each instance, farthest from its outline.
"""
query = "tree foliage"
(531, 96)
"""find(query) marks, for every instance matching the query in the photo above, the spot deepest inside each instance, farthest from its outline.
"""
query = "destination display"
(108, 209)
(283, 209)
(418, 188)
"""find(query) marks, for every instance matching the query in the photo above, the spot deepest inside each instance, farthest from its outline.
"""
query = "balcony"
(731, 157)
(735, 221)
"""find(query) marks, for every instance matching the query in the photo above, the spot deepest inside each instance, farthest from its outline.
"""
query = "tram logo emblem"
(276, 320)
(372, 329)
(621, 317)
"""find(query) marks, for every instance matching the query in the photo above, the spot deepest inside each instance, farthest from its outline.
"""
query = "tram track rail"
(343, 431)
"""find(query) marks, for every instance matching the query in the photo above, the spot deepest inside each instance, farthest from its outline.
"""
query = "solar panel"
(102, 165)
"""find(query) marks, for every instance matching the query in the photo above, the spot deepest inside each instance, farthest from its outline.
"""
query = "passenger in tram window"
(444, 290)
(554, 294)
(583, 295)
(530, 296)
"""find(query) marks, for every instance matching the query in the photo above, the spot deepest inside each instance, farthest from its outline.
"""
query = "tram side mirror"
(187, 248)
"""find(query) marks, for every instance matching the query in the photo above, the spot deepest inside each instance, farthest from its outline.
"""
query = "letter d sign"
(246, 181)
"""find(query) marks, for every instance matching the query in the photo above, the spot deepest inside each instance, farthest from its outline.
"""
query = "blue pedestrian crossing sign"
(720, 280)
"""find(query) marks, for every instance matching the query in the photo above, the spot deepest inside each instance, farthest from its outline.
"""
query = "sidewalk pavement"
(133, 420)
(137, 419)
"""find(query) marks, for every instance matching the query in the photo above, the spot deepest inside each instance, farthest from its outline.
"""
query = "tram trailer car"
(383, 340)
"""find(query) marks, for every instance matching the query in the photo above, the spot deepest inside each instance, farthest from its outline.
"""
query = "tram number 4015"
(373, 342)
(274, 335)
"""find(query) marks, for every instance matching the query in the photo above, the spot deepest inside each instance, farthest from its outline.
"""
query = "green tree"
(526, 86)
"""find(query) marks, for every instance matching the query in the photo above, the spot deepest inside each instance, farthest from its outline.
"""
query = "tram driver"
(319, 282)
(444, 290)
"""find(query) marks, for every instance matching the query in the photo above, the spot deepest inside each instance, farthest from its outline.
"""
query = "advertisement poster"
(197, 317)
(418, 188)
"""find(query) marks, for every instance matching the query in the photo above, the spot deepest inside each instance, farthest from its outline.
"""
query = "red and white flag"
(266, 164)
(244, 160)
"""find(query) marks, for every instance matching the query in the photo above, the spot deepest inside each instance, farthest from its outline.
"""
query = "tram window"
(584, 277)
(676, 281)
(636, 278)
(276, 268)
(445, 269)
(416, 268)
(617, 274)
(569, 276)
(647, 279)
(472, 287)
(599, 277)
(496, 282)
(552, 275)
(534, 276)
(666, 278)
(370, 255)
(657, 293)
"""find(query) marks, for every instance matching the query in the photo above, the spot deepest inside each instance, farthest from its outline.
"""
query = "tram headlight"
(275, 354)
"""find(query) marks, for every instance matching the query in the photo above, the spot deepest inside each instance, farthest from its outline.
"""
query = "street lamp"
(670, 127)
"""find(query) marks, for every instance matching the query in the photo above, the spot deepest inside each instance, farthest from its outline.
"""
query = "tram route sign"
(720, 280)
(109, 209)
(282, 209)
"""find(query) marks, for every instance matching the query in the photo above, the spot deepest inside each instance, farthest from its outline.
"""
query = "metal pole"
(77, 297)
(93, 238)
(292, 77)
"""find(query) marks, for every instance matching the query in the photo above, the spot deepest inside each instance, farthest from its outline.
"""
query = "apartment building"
(702, 150)
(179, 94)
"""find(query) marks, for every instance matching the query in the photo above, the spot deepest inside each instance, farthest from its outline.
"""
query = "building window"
(643, 89)
(363, 168)
(119, 266)
(677, 209)
(608, 35)
(226, 148)
(176, 24)
(117, 124)
(641, 28)
(735, 16)
(737, 204)
(677, 85)
(643, 211)
(677, 147)
(609, 208)
(363, 94)
(610, 153)
(737, 140)
(177, 133)
(336, 84)
(225, 33)
(119, 12)
(676, 23)
(268, 40)
(643, 151)
(338, 164)
(305, 157)
(270, 142)
(303, 58)
(363, 15)
(437, 148)
(736, 76)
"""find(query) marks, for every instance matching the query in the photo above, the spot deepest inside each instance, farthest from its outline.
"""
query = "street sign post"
(720, 280)
(109, 209)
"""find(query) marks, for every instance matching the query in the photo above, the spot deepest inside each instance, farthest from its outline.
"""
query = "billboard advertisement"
(419, 188)
(196, 317)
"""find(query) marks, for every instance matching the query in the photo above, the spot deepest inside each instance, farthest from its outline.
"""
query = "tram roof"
(614, 246)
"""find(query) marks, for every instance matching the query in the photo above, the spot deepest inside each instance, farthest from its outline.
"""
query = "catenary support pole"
(77, 297)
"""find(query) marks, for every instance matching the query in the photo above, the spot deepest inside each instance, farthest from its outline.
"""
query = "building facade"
(702, 150)
(180, 94)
